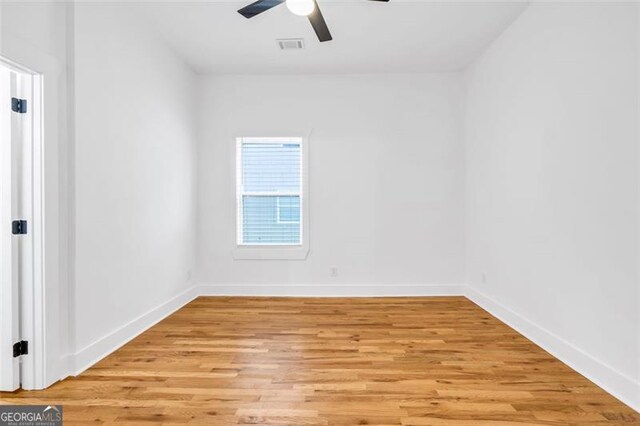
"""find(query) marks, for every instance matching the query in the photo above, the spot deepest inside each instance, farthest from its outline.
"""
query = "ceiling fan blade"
(258, 7)
(319, 25)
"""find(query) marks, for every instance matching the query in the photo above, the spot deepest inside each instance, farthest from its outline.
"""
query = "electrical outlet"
(484, 278)
(189, 275)
(334, 271)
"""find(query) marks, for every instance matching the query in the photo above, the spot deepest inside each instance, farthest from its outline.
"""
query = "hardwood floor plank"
(333, 361)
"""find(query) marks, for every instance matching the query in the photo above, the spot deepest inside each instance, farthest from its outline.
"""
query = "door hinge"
(19, 105)
(19, 227)
(20, 348)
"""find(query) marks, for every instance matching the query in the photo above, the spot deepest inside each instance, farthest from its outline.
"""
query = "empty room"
(319, 212)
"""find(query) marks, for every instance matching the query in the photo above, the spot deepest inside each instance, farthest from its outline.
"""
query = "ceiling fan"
(308, 8)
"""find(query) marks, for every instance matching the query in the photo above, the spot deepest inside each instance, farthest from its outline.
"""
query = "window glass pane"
(261, 224)
(270, 184)
(289, 209)
(271, 167)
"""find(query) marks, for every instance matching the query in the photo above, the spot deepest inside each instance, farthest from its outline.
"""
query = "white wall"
(134, 174)
(386, 179)
(35, 34)
(552, 183)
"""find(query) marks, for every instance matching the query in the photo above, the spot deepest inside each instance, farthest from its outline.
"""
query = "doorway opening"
(22, 327)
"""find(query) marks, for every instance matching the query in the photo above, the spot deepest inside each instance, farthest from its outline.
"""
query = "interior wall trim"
(608, 378)
(96, 351)
(612, 381)
(332, 290)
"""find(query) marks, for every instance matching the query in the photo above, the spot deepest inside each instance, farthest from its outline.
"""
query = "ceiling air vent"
(291, 44)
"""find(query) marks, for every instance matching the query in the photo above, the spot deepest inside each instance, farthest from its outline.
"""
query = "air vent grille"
(291, 44)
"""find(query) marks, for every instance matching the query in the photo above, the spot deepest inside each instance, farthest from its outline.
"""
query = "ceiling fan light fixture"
(301, 7)
(308, 8)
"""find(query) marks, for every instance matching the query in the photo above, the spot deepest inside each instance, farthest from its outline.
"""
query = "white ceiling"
(369, 37)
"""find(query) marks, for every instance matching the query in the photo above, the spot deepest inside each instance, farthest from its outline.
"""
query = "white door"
(15, 205)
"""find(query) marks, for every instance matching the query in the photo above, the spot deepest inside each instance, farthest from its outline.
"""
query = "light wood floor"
(410, 361)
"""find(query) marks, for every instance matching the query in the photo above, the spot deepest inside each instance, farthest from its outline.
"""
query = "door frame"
(32, 287)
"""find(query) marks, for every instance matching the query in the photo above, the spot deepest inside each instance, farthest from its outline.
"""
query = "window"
(269, 191)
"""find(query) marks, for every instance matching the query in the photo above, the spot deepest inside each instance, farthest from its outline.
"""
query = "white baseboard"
(617, 384)
(66, 369)
(614, 382)
(91, 354)
(331, 290)
(99, 349)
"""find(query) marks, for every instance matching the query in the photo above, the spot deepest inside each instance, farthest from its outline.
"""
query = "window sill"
(270, 253)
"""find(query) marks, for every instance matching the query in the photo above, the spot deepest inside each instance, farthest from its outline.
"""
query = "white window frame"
(271, 251)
